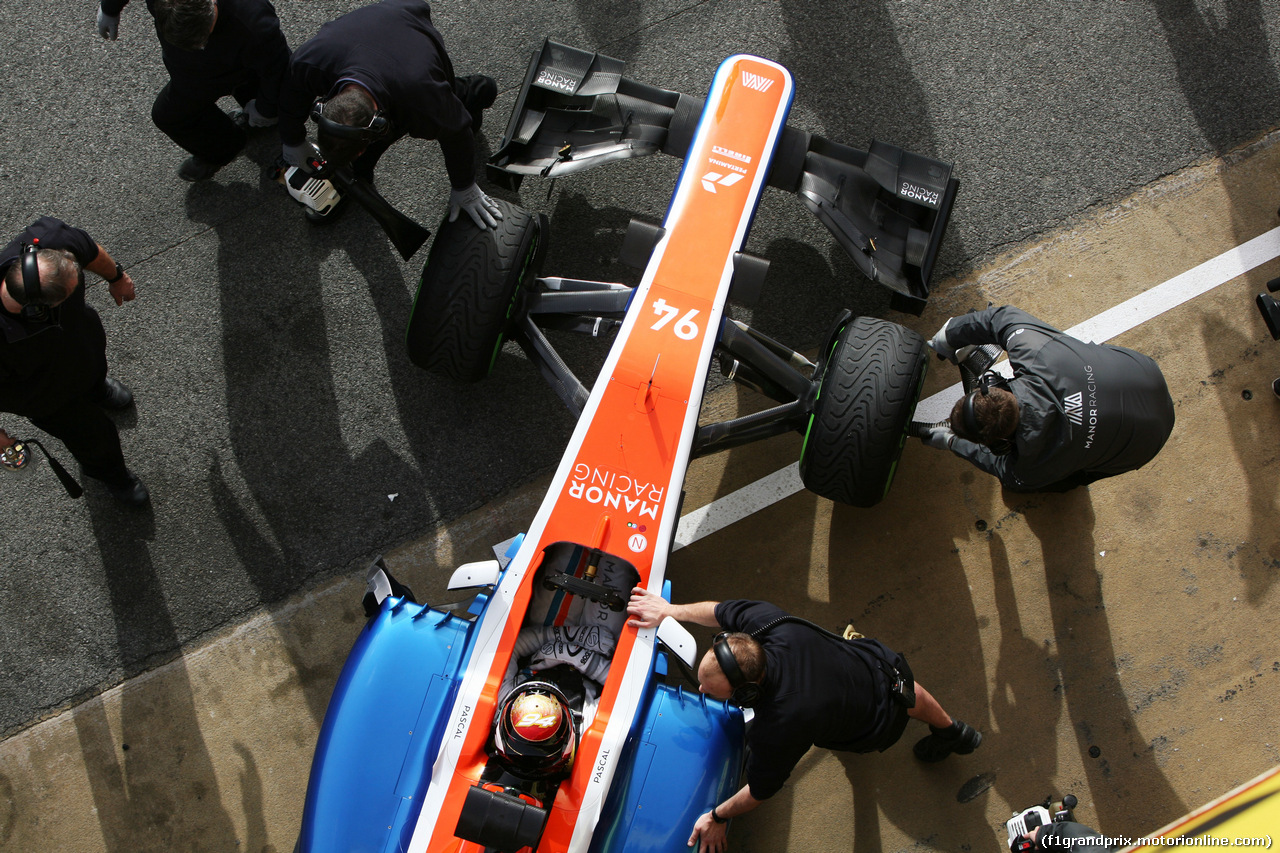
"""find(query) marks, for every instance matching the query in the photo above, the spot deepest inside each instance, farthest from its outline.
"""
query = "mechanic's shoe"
(195, 169)
(960, 738)
(477, 93)
(921, 429)
(129, 490)
(113, 394)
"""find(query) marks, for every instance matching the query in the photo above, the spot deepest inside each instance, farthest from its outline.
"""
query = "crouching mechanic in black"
(53, 350)
(383, 70)
(212, 49)
(808, 688)
(1073, 413)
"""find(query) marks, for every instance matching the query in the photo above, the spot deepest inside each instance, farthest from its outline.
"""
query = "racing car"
(533, 717)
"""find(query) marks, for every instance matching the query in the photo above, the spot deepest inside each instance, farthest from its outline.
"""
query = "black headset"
(969, 412)
(33, 304)
(745, 693)
(377, 127)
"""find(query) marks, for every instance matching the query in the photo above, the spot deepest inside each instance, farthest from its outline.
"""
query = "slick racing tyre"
(471, 291)
(870, 384)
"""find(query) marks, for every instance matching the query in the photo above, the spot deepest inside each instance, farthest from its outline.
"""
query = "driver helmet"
(536, 735)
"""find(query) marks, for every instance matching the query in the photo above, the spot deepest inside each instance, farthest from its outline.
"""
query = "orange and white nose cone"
(535, 717)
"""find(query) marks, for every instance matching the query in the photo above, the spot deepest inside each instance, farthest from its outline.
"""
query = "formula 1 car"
(537, 719)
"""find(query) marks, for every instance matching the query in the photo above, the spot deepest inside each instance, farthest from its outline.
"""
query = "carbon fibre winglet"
(887, 207)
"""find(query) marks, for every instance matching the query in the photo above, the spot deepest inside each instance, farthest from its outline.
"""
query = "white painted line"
(1129, 314)
(736, 506)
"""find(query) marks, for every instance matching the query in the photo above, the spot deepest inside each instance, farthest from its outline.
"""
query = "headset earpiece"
(372, 132)
(32, 295)
(745, 693)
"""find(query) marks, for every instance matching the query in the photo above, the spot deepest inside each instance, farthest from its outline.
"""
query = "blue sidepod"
(686, 756)
(382, 729)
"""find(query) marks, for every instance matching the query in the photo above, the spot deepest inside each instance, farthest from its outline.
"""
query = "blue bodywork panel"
(382, 729)
(686, 758)
(385, 724)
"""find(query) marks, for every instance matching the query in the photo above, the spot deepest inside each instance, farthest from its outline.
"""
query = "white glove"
(939, 437)
(108, 25)
(299, 155)
(257, 119)
(940, 345)
(483, 210)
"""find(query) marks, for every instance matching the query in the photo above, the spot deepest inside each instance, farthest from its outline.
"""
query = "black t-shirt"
(46, 362)
(818, 691)
(393, 50)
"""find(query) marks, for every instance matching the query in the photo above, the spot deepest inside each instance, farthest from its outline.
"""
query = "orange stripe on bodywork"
(625, 462)
(703, 234)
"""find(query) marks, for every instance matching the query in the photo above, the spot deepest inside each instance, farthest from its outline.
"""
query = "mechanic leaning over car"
(1073, 413)
(383, 69)
(808, 687)
(212, 49)
(53, 350)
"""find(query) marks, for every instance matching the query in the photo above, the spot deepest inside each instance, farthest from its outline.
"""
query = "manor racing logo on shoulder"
(759, 82)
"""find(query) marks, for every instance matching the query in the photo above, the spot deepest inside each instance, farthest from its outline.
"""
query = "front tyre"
(470, 293)
(871, 382)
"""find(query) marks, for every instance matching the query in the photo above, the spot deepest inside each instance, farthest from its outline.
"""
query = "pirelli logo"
(1074, 406)
(759, 82)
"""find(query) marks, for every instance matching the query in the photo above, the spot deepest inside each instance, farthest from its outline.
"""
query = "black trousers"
(91, 438)
(187, 112)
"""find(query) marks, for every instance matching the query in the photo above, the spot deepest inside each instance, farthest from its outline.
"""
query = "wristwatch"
(119, 274)
(717, 817)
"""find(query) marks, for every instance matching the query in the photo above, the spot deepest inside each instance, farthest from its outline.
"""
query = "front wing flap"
(888, 208)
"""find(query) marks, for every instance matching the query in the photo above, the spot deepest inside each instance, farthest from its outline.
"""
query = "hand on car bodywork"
(646, 608)
(709, 836)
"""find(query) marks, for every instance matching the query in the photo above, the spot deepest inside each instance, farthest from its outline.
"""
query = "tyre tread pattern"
(870, 385)
(467, 292)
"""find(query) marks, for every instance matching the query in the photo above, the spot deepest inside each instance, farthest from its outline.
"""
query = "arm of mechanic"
(711, 829)
(118, 281)
(647, 609)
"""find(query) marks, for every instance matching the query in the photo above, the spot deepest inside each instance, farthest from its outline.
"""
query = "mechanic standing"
(808, 687)
(212, 49)
(382, 71)
(53, 350)
(1073, 413)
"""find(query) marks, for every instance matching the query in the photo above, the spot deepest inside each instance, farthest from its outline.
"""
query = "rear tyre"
(470, 294)
(870, 385)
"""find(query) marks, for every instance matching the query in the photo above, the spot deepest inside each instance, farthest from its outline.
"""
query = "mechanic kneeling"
(808, 687)
(1073, 413)
(382, 71)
